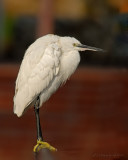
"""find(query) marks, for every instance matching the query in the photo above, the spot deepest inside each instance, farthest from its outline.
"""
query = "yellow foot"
(40, 144)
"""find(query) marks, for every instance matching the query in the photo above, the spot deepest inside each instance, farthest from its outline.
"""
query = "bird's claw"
(40, 145)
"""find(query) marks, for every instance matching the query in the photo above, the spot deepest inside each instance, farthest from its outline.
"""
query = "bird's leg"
(40, 143)
(39, 131)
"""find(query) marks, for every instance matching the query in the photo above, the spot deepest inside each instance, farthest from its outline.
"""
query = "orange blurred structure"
(86, 119)
(45, 18)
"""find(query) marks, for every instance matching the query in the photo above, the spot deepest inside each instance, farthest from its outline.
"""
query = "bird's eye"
(74, 44)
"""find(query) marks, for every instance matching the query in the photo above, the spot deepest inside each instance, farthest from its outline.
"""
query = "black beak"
(85, 47)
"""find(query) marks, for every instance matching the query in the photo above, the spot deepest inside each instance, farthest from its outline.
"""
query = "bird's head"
(71, 44)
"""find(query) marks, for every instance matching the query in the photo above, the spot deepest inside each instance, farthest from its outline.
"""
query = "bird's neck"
(69, 64)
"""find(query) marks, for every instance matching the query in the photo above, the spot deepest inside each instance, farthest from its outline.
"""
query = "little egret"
(46, 65)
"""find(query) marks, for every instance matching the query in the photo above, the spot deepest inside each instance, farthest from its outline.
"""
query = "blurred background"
(103, 23)
(88, 117)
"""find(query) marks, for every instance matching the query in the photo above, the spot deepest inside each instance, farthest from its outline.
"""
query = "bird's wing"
(35, 76)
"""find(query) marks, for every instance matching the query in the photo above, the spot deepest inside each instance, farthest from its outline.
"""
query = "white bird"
(46, 65)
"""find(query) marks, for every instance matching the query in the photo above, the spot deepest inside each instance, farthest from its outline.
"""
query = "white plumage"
(47, 63)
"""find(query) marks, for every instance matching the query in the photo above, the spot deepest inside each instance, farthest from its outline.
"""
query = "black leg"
(40, 143)
(36, 108)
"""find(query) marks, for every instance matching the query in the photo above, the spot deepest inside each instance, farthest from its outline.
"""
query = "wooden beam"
(45, 24)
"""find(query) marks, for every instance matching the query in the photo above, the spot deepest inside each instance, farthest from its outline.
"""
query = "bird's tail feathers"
(21, 104)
